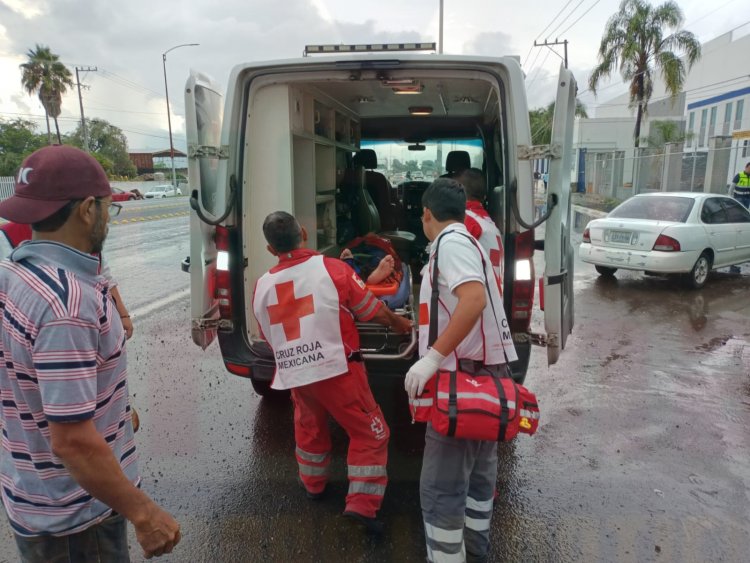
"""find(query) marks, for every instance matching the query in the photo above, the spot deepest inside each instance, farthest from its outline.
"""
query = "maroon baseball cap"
(51, 177)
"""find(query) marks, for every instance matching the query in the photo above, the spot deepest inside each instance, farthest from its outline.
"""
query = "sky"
(124, 41)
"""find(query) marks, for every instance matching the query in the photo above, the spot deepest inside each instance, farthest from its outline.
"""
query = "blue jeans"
(744, 200)
(106, 542)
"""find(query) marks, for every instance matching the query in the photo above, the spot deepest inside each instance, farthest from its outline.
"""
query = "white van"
(304, 136)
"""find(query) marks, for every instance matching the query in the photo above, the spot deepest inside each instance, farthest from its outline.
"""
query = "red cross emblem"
(495, 254)
(290, 309)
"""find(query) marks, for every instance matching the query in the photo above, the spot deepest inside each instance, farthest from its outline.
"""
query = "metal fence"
(6, 187)
(616, 175)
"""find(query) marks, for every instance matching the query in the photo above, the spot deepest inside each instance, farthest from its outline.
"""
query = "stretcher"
(378, 342)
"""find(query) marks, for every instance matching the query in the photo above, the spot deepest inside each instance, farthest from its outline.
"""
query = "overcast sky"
(125, 40)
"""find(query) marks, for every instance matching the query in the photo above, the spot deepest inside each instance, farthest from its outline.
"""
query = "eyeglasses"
(113, 208)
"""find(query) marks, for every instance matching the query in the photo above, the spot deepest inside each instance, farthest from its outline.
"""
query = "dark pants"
(106, 542)
(743, 199)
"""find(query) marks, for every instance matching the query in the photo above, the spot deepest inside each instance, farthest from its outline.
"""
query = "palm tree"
(540, 120)
(634, 42)
(45, 75)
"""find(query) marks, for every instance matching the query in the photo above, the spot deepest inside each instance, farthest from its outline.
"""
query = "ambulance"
(307, 135)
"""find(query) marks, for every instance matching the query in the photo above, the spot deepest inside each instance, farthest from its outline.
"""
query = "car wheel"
(131, 198)
(164, 196)
(263, 388)
(697, 277)
(605, 271)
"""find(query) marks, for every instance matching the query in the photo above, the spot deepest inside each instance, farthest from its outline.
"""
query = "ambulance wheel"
(263, 388)
(605, 271)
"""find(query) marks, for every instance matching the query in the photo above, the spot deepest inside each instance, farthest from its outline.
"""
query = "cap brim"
(27, 211)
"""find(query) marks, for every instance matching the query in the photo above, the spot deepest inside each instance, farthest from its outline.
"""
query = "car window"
(736, 213)
(659, 208)
(713, 212)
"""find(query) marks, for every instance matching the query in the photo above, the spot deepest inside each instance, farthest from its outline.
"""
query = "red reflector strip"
(238, 369)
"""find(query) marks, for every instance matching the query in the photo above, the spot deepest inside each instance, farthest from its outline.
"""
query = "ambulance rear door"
(558, 250)
(207, 172)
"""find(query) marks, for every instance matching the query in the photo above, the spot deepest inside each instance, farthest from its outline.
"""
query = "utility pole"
(440, 34)
(80, 102)
(550, 44)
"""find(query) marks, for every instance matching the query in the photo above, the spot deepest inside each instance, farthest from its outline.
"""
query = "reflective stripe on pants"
(348, 399)
(457, 487)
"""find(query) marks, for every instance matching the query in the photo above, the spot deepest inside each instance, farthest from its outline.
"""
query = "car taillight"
(223, 287)
(667, 244)
(586, 235)
(523, 283)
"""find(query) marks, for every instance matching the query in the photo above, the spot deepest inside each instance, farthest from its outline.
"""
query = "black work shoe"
(310, 495)
(372, 526)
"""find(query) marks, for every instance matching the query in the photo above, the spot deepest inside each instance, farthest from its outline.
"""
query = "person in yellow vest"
(306, 307)
(740, 187)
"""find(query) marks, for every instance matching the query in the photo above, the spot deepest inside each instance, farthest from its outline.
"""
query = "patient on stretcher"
(363, 265)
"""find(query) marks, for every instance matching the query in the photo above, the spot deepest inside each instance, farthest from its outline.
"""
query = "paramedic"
(68, 462)
(306, 306)
(458, 476)
(478, 222)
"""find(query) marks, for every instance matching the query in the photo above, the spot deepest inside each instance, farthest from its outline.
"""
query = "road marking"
(149, 218)
(159, 303)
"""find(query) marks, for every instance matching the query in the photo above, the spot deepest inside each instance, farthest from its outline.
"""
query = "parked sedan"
(163, 191)
(670, 233)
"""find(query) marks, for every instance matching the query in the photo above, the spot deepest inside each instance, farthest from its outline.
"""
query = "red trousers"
(348, 399)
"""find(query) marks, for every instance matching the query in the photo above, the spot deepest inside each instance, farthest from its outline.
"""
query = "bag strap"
(432, 335)
(452, 403)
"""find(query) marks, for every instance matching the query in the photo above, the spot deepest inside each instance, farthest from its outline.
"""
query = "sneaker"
(311, 495)
(372, 526)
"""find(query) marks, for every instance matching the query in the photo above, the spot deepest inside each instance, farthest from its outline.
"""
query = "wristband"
(124, 316)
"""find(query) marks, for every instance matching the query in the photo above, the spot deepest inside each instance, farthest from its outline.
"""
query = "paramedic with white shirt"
(458, 476)
(305, 307)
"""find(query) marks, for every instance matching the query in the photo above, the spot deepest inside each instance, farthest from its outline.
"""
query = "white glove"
(421, 372)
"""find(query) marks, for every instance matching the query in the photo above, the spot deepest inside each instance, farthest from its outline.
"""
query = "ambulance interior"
(351, 153)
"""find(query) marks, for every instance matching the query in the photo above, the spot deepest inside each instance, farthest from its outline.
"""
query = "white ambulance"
(306, 136)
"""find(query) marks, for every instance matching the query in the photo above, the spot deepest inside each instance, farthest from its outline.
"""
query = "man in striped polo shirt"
(68, 466)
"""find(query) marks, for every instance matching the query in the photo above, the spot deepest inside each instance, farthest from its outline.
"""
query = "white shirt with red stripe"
(481, 226)
(460, 260)
(298, 311)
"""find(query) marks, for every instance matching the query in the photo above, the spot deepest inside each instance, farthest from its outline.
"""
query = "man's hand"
(421, 372)
(127, 324)
(401, 325)
(157, 532)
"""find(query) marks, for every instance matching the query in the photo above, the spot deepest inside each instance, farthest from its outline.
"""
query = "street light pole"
(440, 32)
(169, 116)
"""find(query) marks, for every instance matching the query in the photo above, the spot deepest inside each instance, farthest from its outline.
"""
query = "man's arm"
(88, 458)
(733, 185)
(471, 302)
(386, 317)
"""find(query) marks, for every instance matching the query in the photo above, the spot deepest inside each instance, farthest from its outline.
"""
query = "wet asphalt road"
(642, 454)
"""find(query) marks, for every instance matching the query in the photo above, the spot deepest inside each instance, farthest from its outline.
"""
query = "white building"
(713, 109)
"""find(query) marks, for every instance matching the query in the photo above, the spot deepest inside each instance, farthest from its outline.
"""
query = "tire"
(164, 196)
(698, 275)
(263, 388)
(131, 198)
(605, 271)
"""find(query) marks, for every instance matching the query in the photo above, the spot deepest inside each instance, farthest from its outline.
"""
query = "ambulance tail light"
(223, 291)
(522, 300)
(238, 369)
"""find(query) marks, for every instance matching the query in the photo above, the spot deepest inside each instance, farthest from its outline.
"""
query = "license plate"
(620, 236)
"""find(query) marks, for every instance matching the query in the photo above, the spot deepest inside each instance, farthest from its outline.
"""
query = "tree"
(46, 76)
(18, 139)
(662, 133)
(633, 42)
(108, 141)
(540, 121)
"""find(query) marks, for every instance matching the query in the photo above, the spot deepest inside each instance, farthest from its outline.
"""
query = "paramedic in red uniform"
(306, 307)
(479, 223)
(458, 477)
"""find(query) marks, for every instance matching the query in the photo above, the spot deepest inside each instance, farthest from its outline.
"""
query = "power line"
(565, 18)
(545, 29)
(579, 18)
(538, 70)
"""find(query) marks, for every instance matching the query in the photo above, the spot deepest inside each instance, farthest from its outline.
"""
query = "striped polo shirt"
(62, 359)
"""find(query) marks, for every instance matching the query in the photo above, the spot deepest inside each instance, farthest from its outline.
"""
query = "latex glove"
(421, 372)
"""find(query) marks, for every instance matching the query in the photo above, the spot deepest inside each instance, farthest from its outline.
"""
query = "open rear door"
(207, 190)
(558, 250)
